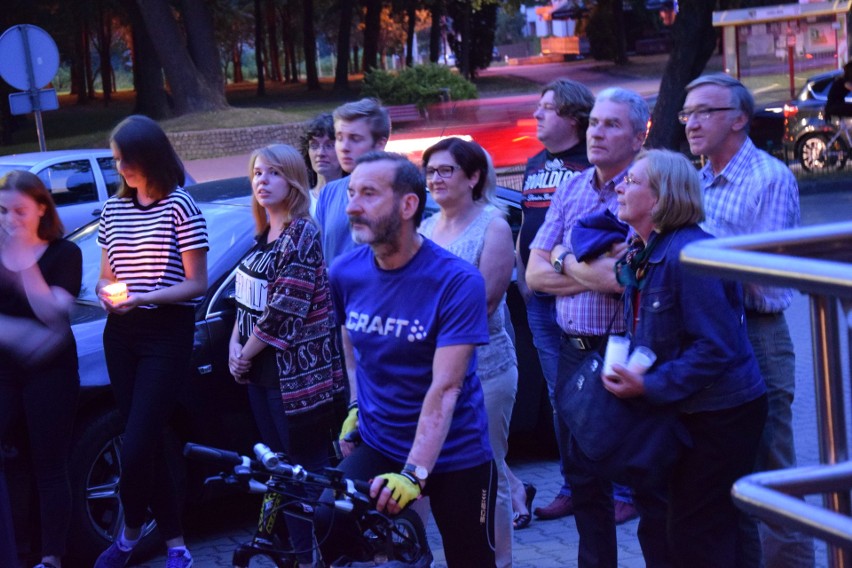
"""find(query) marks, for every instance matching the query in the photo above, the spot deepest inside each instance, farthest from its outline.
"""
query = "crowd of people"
(418, 395)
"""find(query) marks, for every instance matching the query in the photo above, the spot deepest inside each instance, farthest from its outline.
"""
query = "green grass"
(88, 126)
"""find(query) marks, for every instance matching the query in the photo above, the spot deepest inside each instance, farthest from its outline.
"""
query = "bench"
(405, 113)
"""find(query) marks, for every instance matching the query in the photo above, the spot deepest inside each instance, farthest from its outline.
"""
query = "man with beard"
(411, 315)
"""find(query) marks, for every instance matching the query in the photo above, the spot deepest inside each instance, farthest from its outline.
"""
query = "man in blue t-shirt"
(411, 316)
(359, 127)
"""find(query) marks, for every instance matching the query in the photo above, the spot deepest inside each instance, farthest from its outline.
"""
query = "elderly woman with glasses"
(704, 367)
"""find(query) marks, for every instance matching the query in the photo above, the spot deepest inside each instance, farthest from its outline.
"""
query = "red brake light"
(790, 110)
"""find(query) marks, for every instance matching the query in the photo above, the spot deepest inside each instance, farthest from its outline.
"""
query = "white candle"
(116, 292)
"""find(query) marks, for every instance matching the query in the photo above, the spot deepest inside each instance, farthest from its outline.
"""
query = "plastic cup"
(116, 292)
(617, 348)
(641, 360)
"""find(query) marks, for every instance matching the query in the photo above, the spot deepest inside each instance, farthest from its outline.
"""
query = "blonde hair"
(290, 163)
(675, 182)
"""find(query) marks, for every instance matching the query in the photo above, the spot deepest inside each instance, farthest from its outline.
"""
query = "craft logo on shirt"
(394, 327)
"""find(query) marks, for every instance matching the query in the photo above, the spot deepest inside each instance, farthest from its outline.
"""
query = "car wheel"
(814, 154)
(95, 472)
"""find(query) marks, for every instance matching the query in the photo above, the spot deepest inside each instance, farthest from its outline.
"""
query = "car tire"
(95, 470)
(814, 155)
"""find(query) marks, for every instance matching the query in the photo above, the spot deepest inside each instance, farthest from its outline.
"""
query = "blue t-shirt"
(333, 221)
(396, 319)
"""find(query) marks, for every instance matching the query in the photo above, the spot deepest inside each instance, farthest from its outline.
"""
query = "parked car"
(79, 180)
(212, 408)
(806, 130)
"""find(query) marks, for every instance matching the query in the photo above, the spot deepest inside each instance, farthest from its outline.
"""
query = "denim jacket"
(695, 324)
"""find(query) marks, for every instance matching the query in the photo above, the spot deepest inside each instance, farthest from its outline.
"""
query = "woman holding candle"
(283, 345)
(154, 240)
(704, 366)
(39, 278)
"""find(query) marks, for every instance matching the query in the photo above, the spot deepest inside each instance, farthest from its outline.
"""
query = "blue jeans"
(770, 339)
(310, 449)
(546, 334)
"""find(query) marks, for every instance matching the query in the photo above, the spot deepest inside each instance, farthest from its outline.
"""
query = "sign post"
(33, 47)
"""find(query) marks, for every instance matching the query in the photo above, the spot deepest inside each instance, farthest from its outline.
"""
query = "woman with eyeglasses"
(705, 368)
(317, 145)
(462, 181)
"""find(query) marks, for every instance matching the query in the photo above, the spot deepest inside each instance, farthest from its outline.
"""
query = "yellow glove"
(403, 487)
(350, 425)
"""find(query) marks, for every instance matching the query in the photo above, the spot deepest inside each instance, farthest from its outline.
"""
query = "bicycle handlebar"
(268, 462)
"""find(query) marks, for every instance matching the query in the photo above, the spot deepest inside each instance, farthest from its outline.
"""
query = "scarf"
(630, 270)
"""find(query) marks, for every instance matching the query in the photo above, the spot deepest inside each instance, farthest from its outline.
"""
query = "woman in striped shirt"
(154, 240)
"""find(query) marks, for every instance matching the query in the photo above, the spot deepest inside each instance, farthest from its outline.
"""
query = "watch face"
(420, 472)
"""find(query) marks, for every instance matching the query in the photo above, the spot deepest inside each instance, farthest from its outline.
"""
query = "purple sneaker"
(178, 558)
(113, 557)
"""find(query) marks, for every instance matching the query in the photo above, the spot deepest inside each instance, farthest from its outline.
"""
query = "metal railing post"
(831, 423)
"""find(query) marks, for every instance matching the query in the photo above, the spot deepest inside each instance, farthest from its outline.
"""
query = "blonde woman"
(282, 345)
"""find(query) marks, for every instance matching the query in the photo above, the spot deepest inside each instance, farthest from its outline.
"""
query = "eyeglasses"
(445, 172)
(327, 146)
(701, 114)
(629, 179)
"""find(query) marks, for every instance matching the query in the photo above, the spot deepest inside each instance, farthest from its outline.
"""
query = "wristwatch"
(557, 264)
(419, 472)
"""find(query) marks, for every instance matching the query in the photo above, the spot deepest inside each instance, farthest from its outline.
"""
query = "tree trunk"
(88, 74)
(693, 42)
(290, 64)
(357, 64)
(309, 44)
(192, 78)
(409, 40)
(620, 37)
(237, 62)
(104, 43)
(272, 42)
(435, 35)
(79, 86)
(344, 36)
(258, 48)
(372, 30)
(462, 27)
(151, 97)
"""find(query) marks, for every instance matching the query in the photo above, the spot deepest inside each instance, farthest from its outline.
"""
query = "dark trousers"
(593, 507)
(465, 519)
(703, 520)
(147, 354)
(310, 449)
(49, 398)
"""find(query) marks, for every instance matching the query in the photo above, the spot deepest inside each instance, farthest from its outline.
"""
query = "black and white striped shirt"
(144, 243)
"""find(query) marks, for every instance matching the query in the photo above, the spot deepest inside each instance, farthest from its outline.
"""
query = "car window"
(111, 177)
(70, 182)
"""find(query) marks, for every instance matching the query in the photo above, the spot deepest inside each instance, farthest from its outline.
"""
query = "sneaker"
(113, 557)
(178, 558)
(561, 506)
(624, 512)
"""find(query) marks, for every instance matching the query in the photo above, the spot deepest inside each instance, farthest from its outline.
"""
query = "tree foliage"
(420, 85)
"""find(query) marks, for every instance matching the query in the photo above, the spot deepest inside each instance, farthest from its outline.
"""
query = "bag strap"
(602, 346)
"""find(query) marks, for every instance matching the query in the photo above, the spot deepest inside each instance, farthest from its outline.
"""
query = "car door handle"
(96, 212)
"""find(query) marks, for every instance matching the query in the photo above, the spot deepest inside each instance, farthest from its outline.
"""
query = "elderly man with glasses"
(748, 191)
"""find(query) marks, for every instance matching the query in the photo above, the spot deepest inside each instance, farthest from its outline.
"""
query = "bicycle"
(397, 541)
(819, 152)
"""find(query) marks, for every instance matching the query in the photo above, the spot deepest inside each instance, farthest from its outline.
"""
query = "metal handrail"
(818, 261)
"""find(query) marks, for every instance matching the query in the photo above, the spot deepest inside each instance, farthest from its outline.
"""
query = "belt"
(765, 315)
(583, 342)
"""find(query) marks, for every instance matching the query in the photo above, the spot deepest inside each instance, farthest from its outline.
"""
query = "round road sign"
(27, 47)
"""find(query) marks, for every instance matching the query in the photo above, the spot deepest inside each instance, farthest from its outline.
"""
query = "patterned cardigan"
(298, 323)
